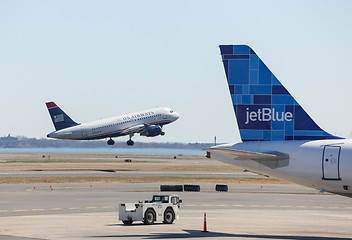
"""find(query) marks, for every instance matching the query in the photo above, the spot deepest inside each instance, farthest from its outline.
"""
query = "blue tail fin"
(60, 119)
(264, 109)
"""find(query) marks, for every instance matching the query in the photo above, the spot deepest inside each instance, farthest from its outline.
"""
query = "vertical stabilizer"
(60, 119)
(264, 109)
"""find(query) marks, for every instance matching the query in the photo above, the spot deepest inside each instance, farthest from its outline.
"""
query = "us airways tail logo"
(267, 115)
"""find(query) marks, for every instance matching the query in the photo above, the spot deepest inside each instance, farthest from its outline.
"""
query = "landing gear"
(130, 143)
(111, 142)
(162, 133)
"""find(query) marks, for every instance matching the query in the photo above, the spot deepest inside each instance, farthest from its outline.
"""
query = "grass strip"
(138, 179)
(119, 167)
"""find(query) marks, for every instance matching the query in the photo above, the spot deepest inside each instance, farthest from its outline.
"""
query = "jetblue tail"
(60, 119)
(264, 109)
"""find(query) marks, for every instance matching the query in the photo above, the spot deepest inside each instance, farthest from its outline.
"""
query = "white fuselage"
(321, 164)
(117, 126)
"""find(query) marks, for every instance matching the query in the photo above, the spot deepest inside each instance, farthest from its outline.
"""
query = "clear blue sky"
(99, 59)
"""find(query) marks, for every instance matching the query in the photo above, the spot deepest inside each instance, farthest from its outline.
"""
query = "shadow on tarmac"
(198, 234)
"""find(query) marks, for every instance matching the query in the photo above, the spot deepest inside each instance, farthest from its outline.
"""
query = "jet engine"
(152, 131)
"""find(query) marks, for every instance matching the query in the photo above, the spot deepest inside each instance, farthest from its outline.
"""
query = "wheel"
(162, 133)
(130, 143)
(149, 217)
(127, 222)
(111, 142)
(169, 216)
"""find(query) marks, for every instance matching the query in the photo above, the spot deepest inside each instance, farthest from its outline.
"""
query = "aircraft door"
(84, 132)
(330, 163)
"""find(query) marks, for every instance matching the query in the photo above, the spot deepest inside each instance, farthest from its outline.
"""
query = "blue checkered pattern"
(264, 109)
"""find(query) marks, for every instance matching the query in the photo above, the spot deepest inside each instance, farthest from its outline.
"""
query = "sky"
(99, 59)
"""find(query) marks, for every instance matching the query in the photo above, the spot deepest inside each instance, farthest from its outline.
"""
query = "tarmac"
(247, 211)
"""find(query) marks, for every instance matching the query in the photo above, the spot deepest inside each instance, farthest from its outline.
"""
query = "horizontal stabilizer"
(245, 155)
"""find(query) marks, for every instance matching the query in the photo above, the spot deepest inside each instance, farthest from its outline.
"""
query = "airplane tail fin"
(264, 109)
(60, 119)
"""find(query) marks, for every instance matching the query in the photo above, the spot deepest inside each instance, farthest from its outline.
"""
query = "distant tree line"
(24, 142)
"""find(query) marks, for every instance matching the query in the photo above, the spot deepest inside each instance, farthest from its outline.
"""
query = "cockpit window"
(171, 111)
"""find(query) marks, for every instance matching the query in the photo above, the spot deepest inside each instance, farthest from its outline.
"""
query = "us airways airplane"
(147, 123)
(279, 138)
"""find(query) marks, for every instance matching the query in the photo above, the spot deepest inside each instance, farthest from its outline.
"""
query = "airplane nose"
(176, 115)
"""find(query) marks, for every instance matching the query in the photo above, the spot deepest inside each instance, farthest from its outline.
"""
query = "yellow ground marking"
(301, 206)
(333, 207)
(4, 210)
(238, 205)
(72, 208)
(38, 209)
(55, 209)
(207, 205)
(108, 207)
(253, 205)
(91, 207)
(20, 210)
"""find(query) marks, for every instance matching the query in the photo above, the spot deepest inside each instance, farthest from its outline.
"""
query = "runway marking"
(186, 205)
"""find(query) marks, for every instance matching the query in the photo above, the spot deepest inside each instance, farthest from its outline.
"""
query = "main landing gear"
(111, 142)
(130, 142)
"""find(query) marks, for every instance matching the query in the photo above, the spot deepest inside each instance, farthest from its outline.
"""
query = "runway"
(247, 211)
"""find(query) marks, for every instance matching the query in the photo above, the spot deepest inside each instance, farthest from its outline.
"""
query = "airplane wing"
(245, 155)
(135, 129)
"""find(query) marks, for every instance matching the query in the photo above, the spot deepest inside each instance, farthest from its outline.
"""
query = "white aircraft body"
(147, 123)
(279, 138)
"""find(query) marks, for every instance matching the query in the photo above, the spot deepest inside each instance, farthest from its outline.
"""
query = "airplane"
(147, 123)
(279, 138)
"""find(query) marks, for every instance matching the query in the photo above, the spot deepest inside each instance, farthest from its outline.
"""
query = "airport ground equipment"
(171, 188)
(191, 188)
(221, 188)
(163, 208)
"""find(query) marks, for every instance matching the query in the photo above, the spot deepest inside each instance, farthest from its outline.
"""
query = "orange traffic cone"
(205, 223)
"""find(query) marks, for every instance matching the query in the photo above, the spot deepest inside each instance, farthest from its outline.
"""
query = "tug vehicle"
(163, 208)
